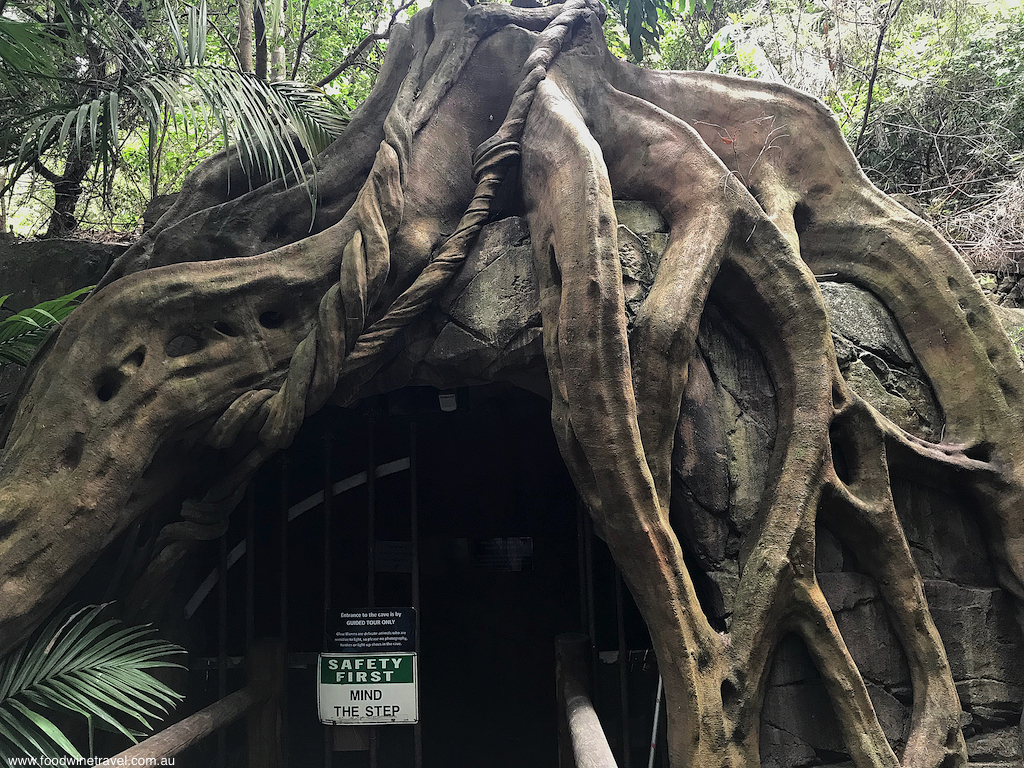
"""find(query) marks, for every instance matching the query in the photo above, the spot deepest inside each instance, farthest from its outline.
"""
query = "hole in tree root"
(979, 452)
(136, 358)
(183, 345)
(802, 219)
(728, 693)
(271, 319)
(839, 455)
(108, 386)
(226, 328)
(72, 455)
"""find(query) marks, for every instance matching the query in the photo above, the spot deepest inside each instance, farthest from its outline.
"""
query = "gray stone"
(875, 359)
(828, 552)
(156, 208)
(945, 539)
(494, 296)
(804, 711)
(893, 716)
(456, 348)
(37, 270)
(867, 384)
(983, 642)
(858, 316)
(792, 663)
(781, 749)
(1001, 746)
(747, 406)
(725, 580)
(862, 621)
(641, 218)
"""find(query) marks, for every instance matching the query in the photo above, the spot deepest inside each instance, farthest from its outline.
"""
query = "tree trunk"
(278, 65)
(245, 35)
(260, 28)
(759, 194)
(67, 189)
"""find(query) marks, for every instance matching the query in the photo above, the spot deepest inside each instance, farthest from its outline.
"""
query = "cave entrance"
(503, 549)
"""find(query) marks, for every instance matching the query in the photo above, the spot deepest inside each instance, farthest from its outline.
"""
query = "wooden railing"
(581, 739)
(259, 701)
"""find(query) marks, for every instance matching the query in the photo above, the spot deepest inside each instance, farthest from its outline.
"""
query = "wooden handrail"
(176, 738)
(582, 743)
(260, 700)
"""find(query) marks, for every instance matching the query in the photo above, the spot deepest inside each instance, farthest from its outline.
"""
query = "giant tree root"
(236, 318)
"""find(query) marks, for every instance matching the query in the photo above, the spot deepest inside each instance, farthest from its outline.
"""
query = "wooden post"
(264, 724)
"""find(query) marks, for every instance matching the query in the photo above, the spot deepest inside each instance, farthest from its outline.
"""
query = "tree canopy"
(121, 100)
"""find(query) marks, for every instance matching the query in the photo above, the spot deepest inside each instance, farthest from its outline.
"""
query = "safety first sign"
(367, 688)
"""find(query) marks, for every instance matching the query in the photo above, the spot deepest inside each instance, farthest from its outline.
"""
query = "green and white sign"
(367, 688)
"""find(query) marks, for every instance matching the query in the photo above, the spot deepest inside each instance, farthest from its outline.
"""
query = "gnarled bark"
(234, 319)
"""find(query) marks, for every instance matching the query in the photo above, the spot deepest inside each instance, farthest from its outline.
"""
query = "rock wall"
(37, 270)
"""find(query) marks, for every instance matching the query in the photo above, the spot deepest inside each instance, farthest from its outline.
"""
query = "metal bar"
(283, 511)
(588, 525)
(581, 562)
(222, 640)
(250, 566)
(371, 513)
(283, 551)
(175, 739)
(371, 540)
(328, 506)
(265, 723)
(654, 728)
(623, 658)
(414, 538)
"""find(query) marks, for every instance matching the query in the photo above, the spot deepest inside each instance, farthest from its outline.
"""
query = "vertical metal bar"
(283, 502)
(623, 657)
(222, 640)
(588, 525)
(250, 566)
(581, 563)
(414, 537)
(283, 553)
(654, 728)
(371, 513)
(328, 506)
(371, 541)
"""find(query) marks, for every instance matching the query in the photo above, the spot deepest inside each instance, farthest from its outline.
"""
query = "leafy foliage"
(79, 664)
(23, 332)
(260, 118)
(945, 117)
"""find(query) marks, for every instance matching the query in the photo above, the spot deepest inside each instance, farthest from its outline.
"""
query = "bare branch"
(890, 14)
(373, 37)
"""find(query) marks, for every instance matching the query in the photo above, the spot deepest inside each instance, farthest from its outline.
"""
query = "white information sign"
(367, 688)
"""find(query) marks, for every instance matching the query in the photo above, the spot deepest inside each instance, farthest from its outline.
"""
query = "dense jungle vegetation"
(107, 104)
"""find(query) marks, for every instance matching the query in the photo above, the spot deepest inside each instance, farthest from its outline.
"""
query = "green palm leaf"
(275, 127)
(23, 332)
(80, 664)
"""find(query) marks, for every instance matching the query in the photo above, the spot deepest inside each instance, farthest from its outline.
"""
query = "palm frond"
(23, 332)
(82, 665)
(275, 127)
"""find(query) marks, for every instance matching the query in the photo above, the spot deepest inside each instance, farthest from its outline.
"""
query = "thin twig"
(227, 44)
(303, 38)
(894, 7)
(373, 37)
